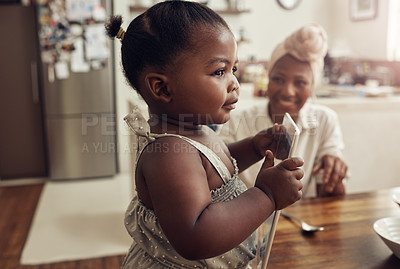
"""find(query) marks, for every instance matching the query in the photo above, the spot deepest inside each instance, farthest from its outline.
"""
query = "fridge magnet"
(78, 63)
(62, 71)
(96, 42)
(98, 64)
(99, 13)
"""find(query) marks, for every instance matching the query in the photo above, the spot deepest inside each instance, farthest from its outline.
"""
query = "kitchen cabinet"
(22, 146)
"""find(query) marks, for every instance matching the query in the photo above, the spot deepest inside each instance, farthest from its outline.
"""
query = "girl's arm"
(252, 149)
(197, 228)
(245, 153)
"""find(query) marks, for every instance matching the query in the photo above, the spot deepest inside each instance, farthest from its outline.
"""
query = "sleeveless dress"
(151, 248)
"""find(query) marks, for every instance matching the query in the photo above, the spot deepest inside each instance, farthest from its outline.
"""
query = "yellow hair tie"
(121, 33)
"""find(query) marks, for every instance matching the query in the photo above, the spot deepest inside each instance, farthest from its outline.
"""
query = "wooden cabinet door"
(22, 146)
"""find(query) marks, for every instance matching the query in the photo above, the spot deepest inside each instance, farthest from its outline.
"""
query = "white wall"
(362, 39)
(124, 95)
(265, 26)
(268, 24)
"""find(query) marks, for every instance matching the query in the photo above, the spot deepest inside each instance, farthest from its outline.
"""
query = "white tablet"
(293, 133)
(288, 143)
(285, 149)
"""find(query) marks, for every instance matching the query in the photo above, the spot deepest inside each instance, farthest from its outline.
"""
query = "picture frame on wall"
(363, 9)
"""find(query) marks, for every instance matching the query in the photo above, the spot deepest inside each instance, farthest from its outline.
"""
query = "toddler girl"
(191, 209)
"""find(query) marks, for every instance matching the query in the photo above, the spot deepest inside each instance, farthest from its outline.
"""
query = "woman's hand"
(335, 171)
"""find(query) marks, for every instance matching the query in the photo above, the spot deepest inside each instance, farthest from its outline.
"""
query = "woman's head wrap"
(307, 44)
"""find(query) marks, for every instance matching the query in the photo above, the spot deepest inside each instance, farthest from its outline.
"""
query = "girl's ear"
(158, 87)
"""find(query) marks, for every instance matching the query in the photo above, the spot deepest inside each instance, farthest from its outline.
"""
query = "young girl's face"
(290, 85)
(204, 87)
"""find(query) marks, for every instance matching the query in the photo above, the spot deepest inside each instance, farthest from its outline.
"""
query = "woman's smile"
(287, 103)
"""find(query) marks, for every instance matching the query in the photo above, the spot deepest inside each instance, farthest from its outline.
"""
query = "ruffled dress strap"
(208, 153)
(139, 125)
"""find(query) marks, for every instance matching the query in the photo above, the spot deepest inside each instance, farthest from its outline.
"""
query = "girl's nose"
(234, 86)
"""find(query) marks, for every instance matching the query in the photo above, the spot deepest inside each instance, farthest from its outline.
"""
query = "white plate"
(396, 198)
(388, 230)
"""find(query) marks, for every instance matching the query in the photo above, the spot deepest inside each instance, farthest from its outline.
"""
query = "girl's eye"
(219, 73)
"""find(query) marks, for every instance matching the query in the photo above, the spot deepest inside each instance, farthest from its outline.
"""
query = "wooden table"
(348, 241)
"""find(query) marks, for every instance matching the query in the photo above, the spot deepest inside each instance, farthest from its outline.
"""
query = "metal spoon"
(305, 227)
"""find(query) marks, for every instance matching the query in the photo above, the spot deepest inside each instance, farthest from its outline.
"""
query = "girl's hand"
(281, 183)
(267, 140)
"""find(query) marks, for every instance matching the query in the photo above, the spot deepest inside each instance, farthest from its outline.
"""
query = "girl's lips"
(230, 107)
(231, 104)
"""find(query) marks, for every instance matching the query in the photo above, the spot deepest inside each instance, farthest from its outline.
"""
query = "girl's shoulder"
(172, 150)
(205, 143)
(169, 146)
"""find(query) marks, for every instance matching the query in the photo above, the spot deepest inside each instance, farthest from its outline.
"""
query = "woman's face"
(203, 83)
(290, 85)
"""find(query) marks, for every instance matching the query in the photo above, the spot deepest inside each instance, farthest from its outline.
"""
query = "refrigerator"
(77, 88)
(59, 107)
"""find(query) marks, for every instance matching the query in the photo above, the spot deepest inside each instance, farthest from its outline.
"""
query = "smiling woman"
(294, 68)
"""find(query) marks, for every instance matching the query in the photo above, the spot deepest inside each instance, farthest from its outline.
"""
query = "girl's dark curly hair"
(155, 37)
